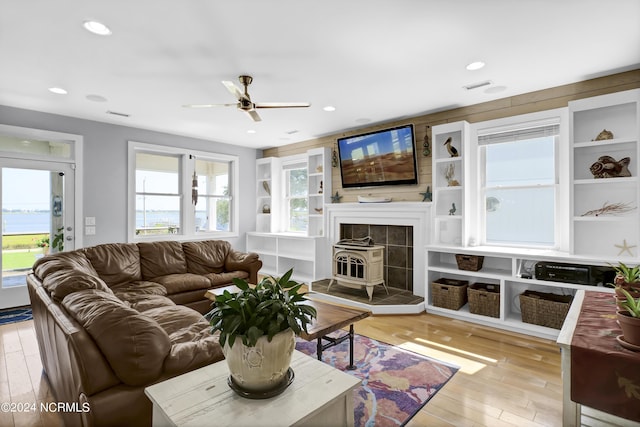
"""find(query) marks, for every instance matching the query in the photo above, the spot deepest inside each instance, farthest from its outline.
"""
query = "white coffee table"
(319, 396)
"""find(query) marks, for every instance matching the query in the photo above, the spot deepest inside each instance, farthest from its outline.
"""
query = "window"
(182, 193)
(213, 208)
(296, 198)
(520, 184)
(158, 195)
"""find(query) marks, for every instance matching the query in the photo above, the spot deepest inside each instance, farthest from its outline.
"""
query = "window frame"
(557, 116)
(187, 160)
(290, 163)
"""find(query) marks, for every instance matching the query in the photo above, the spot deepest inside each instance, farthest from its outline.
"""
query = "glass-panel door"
(37, 218)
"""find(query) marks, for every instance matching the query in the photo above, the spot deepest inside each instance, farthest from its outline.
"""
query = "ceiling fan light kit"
(244, 100)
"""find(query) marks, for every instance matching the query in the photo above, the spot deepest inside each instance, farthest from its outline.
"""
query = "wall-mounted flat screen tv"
(385, 157)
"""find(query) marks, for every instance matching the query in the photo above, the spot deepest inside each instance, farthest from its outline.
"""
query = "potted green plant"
(629, 318)
(627, 278)
(58, 240)
(258, 325)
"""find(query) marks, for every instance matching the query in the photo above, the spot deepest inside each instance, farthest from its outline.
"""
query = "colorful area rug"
(396, 383)
(18, 314)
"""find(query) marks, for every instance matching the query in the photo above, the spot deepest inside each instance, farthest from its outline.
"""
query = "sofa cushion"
(192, 344)
(207, 256)
(177, 283)
(73, 260)
(116, 263)
(161, 259)
(221, 279)
(190, 355)
(61, 283)
(142, 303)
(131, 290)
(176, 317)
(134, 344)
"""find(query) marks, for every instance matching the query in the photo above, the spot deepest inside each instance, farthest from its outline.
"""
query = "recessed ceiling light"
(96, 98)
(251, 131)
(329, 108)
(475, 65)
(58, 90)
(96, 27)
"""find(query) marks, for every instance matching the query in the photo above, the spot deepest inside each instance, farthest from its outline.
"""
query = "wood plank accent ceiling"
(556, 97)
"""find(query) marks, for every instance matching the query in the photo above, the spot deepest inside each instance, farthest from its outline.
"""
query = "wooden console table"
(573, 413)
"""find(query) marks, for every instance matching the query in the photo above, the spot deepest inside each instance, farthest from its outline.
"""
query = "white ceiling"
(375, 61)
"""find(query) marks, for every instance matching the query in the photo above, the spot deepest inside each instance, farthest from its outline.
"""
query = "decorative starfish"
(336, 198)
(426, 196)
(624, 247)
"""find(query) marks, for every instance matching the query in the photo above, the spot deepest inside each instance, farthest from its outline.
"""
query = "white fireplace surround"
(415, 214)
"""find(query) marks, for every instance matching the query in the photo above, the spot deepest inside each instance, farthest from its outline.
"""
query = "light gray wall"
(105, 168)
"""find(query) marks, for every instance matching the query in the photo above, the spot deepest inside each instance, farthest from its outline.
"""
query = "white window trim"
(188, 209)
(476, 204)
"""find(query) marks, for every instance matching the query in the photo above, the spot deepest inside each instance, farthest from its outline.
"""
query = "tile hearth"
(380, 297)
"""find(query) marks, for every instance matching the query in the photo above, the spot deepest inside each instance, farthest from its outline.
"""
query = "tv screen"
(385, 157)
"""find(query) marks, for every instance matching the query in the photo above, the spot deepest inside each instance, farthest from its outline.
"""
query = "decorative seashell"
(608, 167)
(604, 135)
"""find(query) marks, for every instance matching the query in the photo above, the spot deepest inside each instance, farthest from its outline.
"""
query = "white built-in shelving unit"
(595, 240)
(319, 192)
(279, 250)
(507, 268)
(450, 198)
(605, 234)
(267, 179)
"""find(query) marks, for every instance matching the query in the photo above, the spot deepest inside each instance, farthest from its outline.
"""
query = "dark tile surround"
(398, 250)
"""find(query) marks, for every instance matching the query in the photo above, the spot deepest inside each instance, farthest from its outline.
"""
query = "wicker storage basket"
(449, 293)
(544, 309)
(484, 299)
(469, 262)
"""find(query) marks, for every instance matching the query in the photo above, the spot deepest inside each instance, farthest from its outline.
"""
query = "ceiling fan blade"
(254, 115)
(209, 105)
(282, 104)
(235, 90)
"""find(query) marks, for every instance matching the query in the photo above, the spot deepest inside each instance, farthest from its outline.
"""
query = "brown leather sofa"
(115, 318)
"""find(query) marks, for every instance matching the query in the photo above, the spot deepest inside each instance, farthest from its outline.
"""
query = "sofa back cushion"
(134, 344)
(161, 259)
(116, 263)
(61, 283)
(72, 260)
(207, 256)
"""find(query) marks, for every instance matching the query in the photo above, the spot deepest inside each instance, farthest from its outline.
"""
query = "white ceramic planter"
(263, 367)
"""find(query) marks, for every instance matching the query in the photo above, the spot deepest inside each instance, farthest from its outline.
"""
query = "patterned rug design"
(12, 315)
(396, 383)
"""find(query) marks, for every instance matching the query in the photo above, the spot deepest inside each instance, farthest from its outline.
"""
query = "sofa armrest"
(245, 261)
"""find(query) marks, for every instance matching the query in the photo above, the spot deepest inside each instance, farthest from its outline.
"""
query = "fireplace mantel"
(415, 214)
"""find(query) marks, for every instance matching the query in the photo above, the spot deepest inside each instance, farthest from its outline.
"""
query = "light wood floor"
(505, 379)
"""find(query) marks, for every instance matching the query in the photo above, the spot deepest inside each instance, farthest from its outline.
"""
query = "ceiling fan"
(244, 100)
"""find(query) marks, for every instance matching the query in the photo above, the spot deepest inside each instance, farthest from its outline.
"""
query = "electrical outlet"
(90, 220)
(89, 231)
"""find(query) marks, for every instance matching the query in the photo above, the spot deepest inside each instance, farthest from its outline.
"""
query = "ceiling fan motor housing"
(246, 104)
